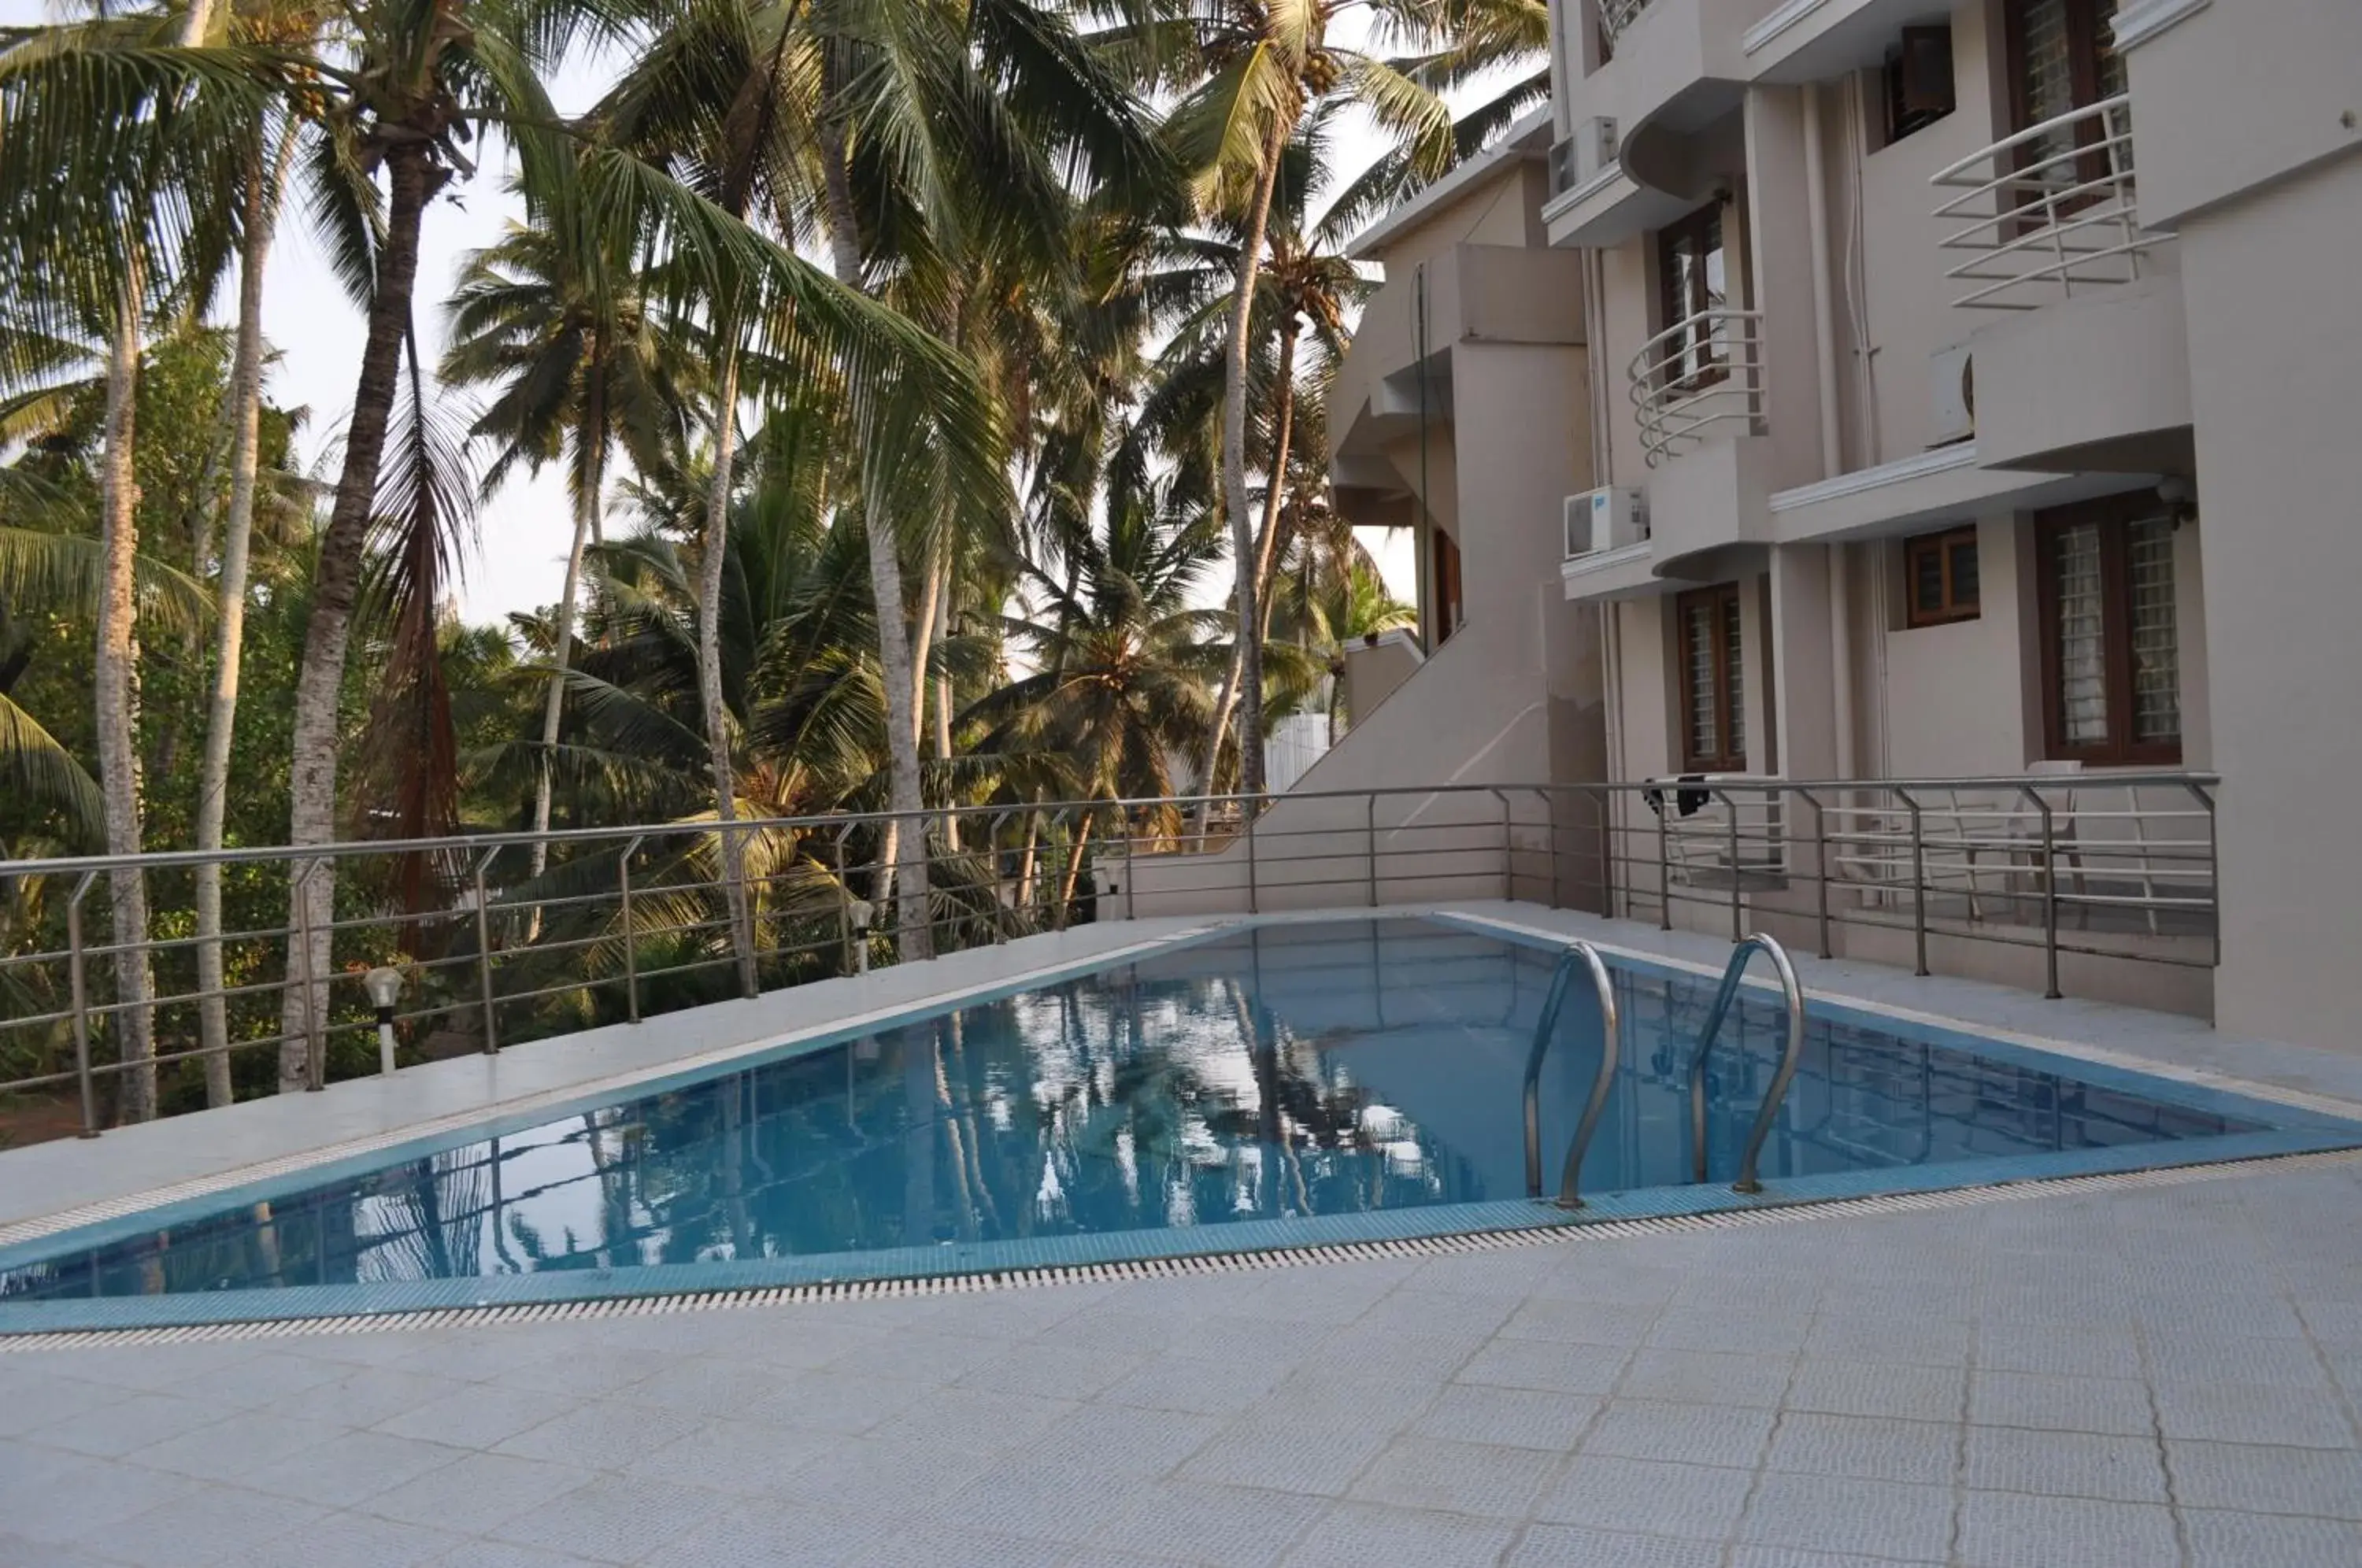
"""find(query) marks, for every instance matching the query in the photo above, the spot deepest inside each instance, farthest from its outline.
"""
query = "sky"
(517, 557)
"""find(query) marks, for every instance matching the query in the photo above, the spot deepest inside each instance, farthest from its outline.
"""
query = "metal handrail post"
(630, 939)
(1130, 872)
(1738, 910)
(1004, 908)
(1607, 855)
(1370, 836)
(1918, 884)
(1820, 862)
(2050, 990)
(1057, 904)
(484, 958)
(2213, 873)
(79, 982)
(1794, 995)
(734, 864)
(1550, 826)
(1601, 1083)
(844, 895)
(1255, 893)
(1664, 863)
(316, 1039)
(1508, 886)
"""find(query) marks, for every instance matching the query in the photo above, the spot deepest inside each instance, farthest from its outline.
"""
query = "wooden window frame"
(1448, 587)
(1718, 596)
(2114, 515)
(1952, 608)
(1694, 226)
(2083, 76)
(1904, 118)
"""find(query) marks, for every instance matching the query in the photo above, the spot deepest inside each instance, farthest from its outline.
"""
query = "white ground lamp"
(862, 912)
(383, 985)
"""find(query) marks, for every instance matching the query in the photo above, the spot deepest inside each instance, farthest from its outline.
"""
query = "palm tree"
(1272, 65)
(1307, 286)
(259, 197)
(401, 96)
(551, 314)
(1124, 663)
(873, 124)
(102, 249)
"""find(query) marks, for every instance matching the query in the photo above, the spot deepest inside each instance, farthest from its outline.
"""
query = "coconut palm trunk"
(413, 178)
(1235, 471)
(261, 210)
(709, 664)
(588, 495)
(943, 714)
(1266, 557)
(905, 849)
(113, 674)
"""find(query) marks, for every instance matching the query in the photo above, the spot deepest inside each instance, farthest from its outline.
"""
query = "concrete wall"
(2274, 328)
(1514, 695)
(2240, 95)
(1892, 304)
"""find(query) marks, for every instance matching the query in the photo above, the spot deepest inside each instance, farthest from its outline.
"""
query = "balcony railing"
(1700, 378)
(1615, 16)
(627, 922)
(2048, 211)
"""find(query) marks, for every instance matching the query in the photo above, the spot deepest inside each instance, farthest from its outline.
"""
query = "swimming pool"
(1273, 1084)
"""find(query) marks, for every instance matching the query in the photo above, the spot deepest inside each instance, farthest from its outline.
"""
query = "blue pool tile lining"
(2295, 1129)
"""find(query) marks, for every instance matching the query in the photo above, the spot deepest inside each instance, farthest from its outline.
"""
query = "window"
(1714, 715)
(1693, 279)
(1918, 81)
(2110, 664)
(1447, 587)
(1940, 570)
(2061, 58)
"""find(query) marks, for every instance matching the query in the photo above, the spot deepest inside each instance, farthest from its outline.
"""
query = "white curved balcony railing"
(2047, 211)
(1700, 378)
(1615, 16)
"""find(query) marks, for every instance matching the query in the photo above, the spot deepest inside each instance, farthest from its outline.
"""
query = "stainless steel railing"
(2046, 211)
(1700, 378)
(2057, 880)
(1792, 997)
(1583, 955)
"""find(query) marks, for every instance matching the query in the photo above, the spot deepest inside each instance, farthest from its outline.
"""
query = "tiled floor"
(2155, 1376)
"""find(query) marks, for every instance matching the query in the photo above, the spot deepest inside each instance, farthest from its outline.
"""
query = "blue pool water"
(1283, 1078)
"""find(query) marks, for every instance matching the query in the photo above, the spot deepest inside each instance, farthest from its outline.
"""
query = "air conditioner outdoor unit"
(1952, 388)
(1605, 519)
(1594, 142)
(1583, 155)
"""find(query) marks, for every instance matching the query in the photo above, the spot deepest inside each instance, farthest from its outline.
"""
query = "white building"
(1936, 445)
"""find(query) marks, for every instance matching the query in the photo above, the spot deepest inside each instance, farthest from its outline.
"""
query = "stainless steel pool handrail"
(1732, 974)
(1610, 1050)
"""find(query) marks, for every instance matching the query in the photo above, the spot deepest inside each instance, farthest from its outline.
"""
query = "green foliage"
(1023, 395)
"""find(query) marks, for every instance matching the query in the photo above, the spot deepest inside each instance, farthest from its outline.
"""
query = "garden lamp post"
(384, 987)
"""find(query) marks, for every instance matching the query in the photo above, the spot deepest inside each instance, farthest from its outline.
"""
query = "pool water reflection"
(1283, 1070)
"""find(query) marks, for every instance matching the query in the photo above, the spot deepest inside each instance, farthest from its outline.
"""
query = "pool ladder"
(1587, 955)
(1794, 996)
(1583, 955)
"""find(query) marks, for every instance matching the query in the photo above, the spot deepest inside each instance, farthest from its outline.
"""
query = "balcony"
(2046, 212)
(1699, 378)
(1615, 16)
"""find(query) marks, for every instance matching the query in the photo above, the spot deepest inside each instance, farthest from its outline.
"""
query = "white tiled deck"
(2156, 1376)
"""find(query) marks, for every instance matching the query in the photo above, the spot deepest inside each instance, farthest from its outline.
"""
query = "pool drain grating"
(1185, 1267)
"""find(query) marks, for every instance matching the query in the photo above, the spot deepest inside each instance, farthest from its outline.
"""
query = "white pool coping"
(53, 1187)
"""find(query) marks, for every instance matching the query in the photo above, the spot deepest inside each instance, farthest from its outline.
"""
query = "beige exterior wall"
(2215, 372)
(2274, 326)
(1514, 695)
